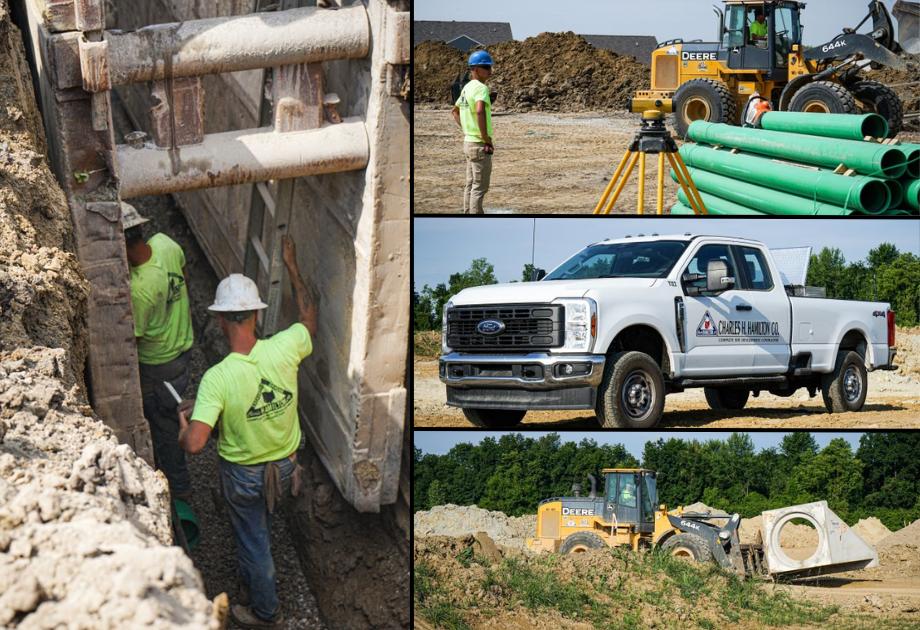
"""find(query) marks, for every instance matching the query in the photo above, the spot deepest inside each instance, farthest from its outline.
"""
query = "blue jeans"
(252, 526)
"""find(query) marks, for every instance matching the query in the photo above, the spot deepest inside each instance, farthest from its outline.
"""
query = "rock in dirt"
(552, 72)
(457, 520)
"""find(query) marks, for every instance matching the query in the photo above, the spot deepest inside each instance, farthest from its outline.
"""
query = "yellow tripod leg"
(616, 193)
(613, 180)
(683, 184)
(641, 181)
(699, 199)
(660, 181)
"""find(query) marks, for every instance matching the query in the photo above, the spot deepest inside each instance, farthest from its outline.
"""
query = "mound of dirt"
(907, 341)
(553, 72)
(871, 530)
(899, 553)
(458, 520)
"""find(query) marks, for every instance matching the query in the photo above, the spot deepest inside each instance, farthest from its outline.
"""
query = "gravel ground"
(215, 555)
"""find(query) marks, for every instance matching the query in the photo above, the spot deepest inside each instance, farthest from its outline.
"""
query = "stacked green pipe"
(788, 167)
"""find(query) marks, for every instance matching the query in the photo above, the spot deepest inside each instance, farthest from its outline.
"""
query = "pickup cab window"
(621, 260)
(700, 262)
(758, 271)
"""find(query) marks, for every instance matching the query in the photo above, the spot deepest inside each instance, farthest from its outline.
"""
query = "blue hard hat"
(481, 58)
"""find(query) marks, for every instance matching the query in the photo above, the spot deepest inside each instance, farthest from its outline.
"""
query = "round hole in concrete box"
(799, 538)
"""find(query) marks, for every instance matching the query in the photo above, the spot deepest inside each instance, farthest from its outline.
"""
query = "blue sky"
(439, 442)
(443, 246)
(665, 19)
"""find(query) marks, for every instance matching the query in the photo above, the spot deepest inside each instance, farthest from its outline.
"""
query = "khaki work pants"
(478, 176)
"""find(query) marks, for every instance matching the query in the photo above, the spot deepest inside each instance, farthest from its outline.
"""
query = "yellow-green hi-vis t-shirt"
(472, 92)
(162, 318)
(255, 397)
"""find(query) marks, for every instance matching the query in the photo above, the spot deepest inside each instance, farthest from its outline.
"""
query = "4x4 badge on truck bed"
(706, 327)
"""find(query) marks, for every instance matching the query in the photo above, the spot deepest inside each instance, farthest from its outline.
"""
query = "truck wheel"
(703, 99)
(688, 546)
(844, 389)
(581, 541)
(494, 418)
(882, 100)
(722, 399)
(632, 392)
(823, 97)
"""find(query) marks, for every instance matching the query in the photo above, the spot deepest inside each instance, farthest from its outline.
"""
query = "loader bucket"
(908, 16)
(839, 548)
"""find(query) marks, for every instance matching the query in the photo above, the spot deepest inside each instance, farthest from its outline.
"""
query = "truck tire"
(581, 541)
(721, 399)
(688, 546)
(882, 100)
(844, 389)
(494, 418)
(703, 99)
(632, 392)
(824, 97)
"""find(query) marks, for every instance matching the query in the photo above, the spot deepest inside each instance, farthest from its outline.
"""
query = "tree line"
(513, 473)
(886, 275)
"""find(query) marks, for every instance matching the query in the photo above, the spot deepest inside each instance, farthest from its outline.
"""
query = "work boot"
(245, 618)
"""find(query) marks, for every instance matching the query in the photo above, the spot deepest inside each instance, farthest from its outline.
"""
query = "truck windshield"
(621, 260)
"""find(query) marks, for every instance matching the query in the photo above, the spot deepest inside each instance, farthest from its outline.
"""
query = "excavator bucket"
(908, 16)
(839, 548)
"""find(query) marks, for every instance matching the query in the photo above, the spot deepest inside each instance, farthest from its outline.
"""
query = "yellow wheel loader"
(627, 514)
(712, 81)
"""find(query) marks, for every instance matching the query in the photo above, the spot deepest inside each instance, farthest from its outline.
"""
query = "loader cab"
(631, 497)
(749, 51)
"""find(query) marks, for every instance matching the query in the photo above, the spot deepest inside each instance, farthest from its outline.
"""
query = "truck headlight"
(580, 324)
(444, 348)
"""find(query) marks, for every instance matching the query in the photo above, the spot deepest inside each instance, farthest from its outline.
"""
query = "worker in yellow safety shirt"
(628, 496)
(253, 392)
(473, 112)
(163, 330)
(759, 28)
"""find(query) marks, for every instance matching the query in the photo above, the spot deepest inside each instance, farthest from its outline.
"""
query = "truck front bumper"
(526, 381)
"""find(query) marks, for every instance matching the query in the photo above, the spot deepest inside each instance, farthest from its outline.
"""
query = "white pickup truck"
(624, 322)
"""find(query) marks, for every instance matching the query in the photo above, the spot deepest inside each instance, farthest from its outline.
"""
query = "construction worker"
(163, 331)
(253, 392)
(628, 495)
(473, 112)
(759, 30)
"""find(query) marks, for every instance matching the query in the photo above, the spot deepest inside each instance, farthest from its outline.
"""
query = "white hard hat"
(236, 292)
(130, 217)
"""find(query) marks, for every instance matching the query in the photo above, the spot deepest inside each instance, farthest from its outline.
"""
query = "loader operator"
(759, 30)
(473, 112)
(163, 330)
(253, 392)
(628, 496)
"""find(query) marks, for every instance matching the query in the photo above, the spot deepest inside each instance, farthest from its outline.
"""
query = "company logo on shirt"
(176, 282)
(706, 327)
(270, 402)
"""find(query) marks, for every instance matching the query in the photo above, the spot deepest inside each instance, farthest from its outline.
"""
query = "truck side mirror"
(537, 274)
(717, 278)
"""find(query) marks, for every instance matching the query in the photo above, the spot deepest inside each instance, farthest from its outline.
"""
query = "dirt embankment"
(85, 540)
(552, 72)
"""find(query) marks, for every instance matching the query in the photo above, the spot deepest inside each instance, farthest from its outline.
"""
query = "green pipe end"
(189, 523)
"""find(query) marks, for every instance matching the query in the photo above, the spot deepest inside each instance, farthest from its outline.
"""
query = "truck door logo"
(706, 327)
(490, 327)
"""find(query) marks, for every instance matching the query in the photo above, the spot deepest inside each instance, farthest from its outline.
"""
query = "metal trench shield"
(839, 547)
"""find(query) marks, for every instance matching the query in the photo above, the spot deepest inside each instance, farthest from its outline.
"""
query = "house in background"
(462, 35)
(638, 46)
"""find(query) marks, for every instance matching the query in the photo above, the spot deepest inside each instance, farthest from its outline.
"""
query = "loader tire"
(844, 389)
(494, 418)
(581, 541)
(688, 546)
(722, 399)
(632, 392)
(703, 99)
(882, 100)
(824, 97)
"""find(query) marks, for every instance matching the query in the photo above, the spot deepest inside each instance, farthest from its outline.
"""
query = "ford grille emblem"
(490, 327)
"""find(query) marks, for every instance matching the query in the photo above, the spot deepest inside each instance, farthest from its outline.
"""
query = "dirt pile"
(899, 553)
(552, 72)
(457, 520)
(871, 530)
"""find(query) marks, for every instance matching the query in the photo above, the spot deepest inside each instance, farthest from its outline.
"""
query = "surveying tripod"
(653, 138)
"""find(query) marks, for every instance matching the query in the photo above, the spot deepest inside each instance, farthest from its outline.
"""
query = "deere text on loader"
(713, 81)
(628, 514)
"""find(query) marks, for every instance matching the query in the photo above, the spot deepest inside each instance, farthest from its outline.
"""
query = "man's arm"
(455, 112)
(481, 119)
(304, 305)
(192, 435)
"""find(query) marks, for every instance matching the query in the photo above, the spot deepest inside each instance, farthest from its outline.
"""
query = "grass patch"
(539, 586)
(431, 602)
(427, 344)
